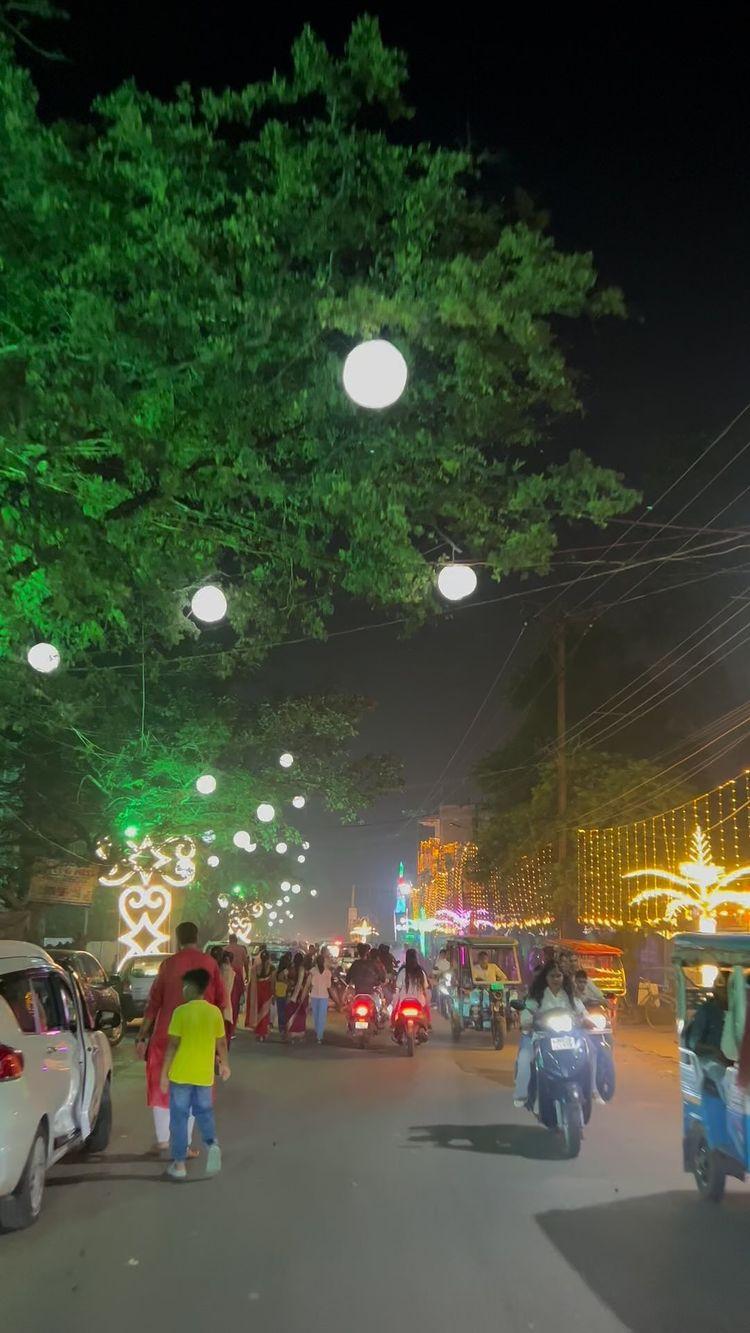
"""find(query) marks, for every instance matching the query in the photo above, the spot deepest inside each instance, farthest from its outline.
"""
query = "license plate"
(563, 1043)
(361, 1025)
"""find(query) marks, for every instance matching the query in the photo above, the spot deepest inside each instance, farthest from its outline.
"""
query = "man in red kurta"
(166, 994)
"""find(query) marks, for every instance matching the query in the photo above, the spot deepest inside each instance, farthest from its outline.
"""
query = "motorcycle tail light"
(362, 1010)
(11, 1064)
(410, 1011)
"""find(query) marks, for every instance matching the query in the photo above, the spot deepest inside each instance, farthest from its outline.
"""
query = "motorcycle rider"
(411, 980)
(363, 976)
(550, 989)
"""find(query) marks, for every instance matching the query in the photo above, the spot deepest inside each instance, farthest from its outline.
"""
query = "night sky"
(635, 141)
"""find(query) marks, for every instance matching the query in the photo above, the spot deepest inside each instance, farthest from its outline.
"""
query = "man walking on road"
(166, 995)
(196, 1037)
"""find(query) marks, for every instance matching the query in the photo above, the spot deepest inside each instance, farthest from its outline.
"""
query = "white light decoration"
(278, 902)
(43, 657)
(206, 784)
(313, 893)
(296, 888)
(208, 837)
(290, 915)
(272, 916)
(281, 847)
(375, 374)
(286, 759)
(146, 873)
(212, 861)
(265, 812)
(267, 905)
(257, 910)
(302, 858)
(456, 582)
(242, 839)
(299, 802)
(285, 886)
(286, 897)
(701, 887)
(222, 901)
(209, 604)
(305, 846)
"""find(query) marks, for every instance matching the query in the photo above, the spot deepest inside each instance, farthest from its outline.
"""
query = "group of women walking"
(297, 982)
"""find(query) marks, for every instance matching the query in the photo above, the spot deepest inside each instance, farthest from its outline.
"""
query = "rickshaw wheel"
(710, 1176)
(498, 1033)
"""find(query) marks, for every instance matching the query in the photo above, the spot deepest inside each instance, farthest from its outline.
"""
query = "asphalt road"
(363, 1190)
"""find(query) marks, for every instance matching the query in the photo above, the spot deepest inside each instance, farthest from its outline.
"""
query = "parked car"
(55, 1078)
(102, 998)
(134, 981)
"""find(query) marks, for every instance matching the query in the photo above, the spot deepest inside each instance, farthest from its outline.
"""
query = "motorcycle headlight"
(599, 1021)
(559, 1023)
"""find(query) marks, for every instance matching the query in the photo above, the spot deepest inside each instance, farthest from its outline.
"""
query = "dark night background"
(635, 142)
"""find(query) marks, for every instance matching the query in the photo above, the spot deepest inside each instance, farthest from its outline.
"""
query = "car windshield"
(146, 967)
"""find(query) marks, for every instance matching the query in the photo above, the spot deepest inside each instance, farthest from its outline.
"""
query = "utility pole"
(562, 770)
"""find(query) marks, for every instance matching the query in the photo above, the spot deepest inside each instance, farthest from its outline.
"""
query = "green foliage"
(180, 282)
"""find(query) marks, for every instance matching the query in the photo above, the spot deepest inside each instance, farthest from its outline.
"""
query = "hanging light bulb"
(286, 759)
(305, 846)
(43, 657)
(298, 802)
(285, 886)
(296, 888)
(212, 861)
(456, 582)
(290, 915)
(313, 893)
(242, 839)
(375, 374)
(286, 897)
(206, 784)
(265, 812)
(301, 858)
(278, 902)
(208, 836)
(272, 916)
(209, 604)
(222, 901)
(281, 847)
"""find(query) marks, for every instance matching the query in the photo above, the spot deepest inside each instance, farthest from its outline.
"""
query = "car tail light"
(362, 1010)
(11, 1064)
(410, 1011)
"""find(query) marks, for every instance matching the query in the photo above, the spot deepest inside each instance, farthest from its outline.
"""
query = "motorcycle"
(600, 1041)
(560, 1090)
(410, 1024)
(364, 1019)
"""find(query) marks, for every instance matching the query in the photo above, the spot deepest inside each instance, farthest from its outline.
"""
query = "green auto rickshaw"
(477, 991)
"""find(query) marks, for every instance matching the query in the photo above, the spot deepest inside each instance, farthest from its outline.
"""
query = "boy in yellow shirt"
(196, 1035)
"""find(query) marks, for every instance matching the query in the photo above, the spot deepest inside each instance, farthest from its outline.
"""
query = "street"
(364, 1189)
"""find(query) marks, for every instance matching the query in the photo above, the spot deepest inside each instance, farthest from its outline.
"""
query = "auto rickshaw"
(712, 970)
(475, 1005)
(602, 962)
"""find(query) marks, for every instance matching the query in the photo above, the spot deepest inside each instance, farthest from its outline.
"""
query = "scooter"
(410, 1024)
(363, 1020)
(560, 1091)
(600, 1039)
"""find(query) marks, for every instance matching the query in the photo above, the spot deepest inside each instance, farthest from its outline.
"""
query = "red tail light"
(411, 1011)
(362, 1010)
(11, 1064)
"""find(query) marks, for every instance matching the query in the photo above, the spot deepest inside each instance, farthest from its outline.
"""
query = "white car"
(55, 1078)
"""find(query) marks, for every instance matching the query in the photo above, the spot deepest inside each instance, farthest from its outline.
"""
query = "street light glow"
(209, 604)
(206, 784)
(375, 374)
(43, 657)
(456, 582)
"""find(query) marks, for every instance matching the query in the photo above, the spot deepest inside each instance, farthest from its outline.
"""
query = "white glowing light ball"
(313, 893)
(285, 886)
(298, 802)
(206, 784)
(281, 847)
(222, 900)
(265, 812)
(286, 759)
(43, 657)
(456, 582)
(257, 909)
(212, 861)
(305, 846)
(301, 858)
(286, 897)
(272, 916)
(375, 374)
(278, 902)
(290, 915)
(296, 888)
(242, 839)
(209, 604)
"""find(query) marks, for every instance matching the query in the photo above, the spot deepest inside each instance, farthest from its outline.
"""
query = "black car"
(102, 999)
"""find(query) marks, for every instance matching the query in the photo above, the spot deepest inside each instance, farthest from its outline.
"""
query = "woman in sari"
(281, 983)
(298, 998)
(260, 996)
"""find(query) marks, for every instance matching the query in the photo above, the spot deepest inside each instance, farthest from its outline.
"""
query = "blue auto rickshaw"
(713, 970)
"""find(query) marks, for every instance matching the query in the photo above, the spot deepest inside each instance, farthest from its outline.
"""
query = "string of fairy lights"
(451, 890)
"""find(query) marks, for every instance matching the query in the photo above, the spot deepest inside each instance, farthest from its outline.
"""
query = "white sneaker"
(213, 1160)
(519, 1103)
(176, 1171)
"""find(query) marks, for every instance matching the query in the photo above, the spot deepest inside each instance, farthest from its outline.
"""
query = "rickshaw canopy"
(717, 949)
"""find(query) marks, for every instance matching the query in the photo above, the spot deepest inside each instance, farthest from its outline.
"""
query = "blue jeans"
(320, 1016)
(523, 1068)
(281, 1012)
(185, 1098)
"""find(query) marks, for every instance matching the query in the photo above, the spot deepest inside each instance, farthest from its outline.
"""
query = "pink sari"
(296, 1009)
(258, 1010)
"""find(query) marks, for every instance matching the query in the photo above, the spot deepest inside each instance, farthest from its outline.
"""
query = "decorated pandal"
(687, 868)
(452, 897)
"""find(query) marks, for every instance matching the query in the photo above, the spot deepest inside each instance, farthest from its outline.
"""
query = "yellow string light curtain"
(448, 877)
(522, 897)
(660, 842)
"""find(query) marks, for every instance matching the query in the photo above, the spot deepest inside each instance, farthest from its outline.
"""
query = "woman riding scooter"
(550, 989)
